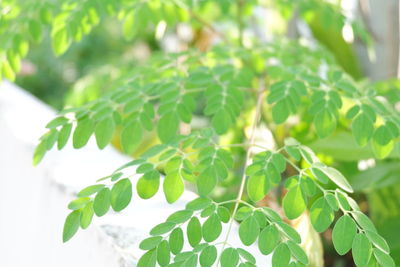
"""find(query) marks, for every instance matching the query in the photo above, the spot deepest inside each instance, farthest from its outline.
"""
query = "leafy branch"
(304, 85)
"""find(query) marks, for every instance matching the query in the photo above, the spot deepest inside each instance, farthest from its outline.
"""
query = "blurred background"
(362, 35)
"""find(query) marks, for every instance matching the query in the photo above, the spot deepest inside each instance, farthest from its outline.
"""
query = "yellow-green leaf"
(173, 187)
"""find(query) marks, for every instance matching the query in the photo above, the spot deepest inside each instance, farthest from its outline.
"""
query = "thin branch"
(201, 20)
(260, 97)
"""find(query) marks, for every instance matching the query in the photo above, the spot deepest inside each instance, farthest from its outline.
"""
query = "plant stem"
(200, 19)
(234, 201)
(260, 97)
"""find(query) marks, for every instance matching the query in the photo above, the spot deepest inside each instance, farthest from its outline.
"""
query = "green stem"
(234, 201)
(201, 20)
(260, 98)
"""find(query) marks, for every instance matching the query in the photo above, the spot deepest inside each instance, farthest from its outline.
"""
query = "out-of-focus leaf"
(384, 206)
(341, 146)
(380, 176)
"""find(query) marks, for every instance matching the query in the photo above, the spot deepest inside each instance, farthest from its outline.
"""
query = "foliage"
(273, 83)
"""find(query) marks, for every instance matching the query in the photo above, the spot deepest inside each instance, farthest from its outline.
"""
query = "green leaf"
(63, 135)
(378, 241)
(290, 232)
(212, 228)
(13, 66)
(60, 41)
(325, 123)
(8, 70)
(343, 234)
(194, 232)
(176, 240)
(382, 142)
(180, 216)
(183, 257)
(342, 146)
(342, 200)
(261, 218)
(150, 242)
(249, 230)
(229, 257)
(154, 150)
(78, 203)
(173, 187)
(320, 175)
(243, 213)
(198, 203)
(121, 194)
(383, 258)
(104, 131)
(131, 136)
(162, 228)
(39, 153)
(268, 239)
(207, 212)
(281, 256)
(279, 162)
(255, 187)
(294, 152)
(102, 202)
(147, 188)
(87, 215)
(163, 253)
(337, 178)
(362, 128)
(51, 139)
(144, 168)
(191, 261)
(308, 186)
(82, 132)
(206, 181)
(168, 126)
(332, 201)
(298, 252)
(280, 112)
(130, 26)
(90, 190)
(149, 259)
(246, 255)
(223, 214)
(321, 215)
(58, 121)
(352, 112)
(35, 29)
(208, 256)
(364, 221)
(221, 121)
(361, 250)
(71, 225)
(294, 203)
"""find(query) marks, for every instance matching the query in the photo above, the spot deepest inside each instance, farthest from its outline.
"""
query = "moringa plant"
(237, 88)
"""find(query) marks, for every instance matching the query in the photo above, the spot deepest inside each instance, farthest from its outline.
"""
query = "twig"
(260, 97)
(200, 19)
